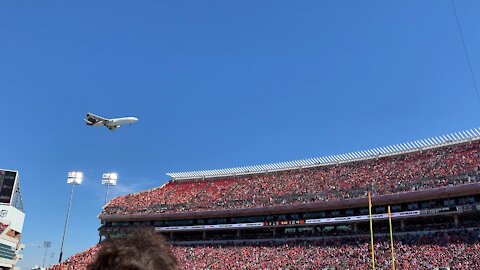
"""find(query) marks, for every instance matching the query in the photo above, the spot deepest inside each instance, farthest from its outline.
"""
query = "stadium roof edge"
(412, 146)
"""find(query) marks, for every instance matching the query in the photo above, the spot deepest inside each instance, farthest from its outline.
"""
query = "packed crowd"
(433, 168)
(78, 261)
(454, 249)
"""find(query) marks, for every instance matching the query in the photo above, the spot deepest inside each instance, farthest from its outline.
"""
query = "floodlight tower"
(109, 179)
(74, 178)
(51, 258)
(46, 245)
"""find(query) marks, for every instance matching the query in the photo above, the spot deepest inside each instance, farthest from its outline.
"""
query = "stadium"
(12, 218)
(314, 213)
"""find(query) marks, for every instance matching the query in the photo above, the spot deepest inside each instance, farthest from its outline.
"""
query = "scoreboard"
(8, 180)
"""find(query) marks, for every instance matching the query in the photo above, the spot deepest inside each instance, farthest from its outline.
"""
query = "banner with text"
(360, 218)
(209, 227)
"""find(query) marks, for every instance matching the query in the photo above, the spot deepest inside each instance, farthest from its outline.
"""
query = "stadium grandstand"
(11, 219)
(314, 213)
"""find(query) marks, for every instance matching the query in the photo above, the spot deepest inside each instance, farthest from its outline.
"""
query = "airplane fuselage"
(121, 121)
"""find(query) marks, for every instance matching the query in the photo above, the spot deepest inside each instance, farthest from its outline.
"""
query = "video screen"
(7, 184)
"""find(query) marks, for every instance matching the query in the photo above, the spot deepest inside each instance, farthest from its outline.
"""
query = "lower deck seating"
(459, 249)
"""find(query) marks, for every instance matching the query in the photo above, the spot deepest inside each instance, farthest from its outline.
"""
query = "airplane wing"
(93, 119)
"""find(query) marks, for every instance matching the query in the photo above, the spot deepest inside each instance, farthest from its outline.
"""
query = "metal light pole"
(46, 245)
(109, 179)
(51, 258)
(74, 178)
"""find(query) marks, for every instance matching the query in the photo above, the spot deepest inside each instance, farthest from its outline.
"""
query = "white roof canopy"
(429, 143)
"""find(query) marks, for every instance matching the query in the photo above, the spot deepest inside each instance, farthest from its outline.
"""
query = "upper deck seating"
(385, 175)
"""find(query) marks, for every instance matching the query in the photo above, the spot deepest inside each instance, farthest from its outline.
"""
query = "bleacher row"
(385, 175)
(459, 249)
(455, 250)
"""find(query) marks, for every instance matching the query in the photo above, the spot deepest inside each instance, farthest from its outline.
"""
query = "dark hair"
(143, 250)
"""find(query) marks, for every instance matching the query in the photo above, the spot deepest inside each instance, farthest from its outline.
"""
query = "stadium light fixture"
(74, 178)
(109, 179)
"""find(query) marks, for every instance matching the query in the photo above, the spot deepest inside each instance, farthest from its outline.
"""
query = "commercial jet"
(111, 124)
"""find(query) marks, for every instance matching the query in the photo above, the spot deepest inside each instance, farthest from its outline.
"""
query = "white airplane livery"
(111, 124)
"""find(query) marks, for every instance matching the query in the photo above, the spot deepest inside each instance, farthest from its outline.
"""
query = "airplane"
(111, 124)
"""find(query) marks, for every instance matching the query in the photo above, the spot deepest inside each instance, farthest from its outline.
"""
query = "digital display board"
(7, 185)
(284, 222)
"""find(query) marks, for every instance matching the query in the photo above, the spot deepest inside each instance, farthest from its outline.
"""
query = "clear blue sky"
(215, 84)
